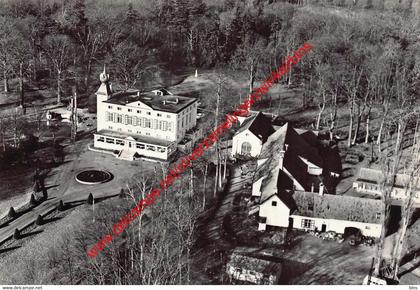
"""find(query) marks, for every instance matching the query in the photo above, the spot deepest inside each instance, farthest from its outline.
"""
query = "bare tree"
(59, 49)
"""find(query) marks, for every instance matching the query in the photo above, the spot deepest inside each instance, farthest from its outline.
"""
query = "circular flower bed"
(93, 177)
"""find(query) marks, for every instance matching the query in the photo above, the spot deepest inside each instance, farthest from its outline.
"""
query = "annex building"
(133, 124)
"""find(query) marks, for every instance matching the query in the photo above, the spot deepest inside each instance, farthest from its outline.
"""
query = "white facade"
(135, 128)
(246, 143)
(338, 226)
(275, 213)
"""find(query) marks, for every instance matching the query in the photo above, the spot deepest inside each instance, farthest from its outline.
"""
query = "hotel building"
(134, 124)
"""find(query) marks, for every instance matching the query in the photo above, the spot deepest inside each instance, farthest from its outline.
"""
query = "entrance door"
(323, 228)
(129, 144)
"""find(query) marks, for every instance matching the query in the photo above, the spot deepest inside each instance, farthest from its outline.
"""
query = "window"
(147, 123)
(151, 148)
(274, 203)
(246, 148)
(148, 134)
(110, 140)
(119, 142)
(130, 110)
(140, 146)
(119, 108)
(161, 149)
(159, 115)
(148, 113)
(109, 107)
(110, 117)
(119, 118)
(129, 120)
(170, 126)
(119, 129)
(101, 139)
(129, 131)
(138, 112)
(378, 215)
(110, 127)
(308, 224)
(168, 116)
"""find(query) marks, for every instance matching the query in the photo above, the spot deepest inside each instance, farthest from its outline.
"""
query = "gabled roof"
(339, 207)
(288, 135)
(260, 264)
(375, 176)
(259, 125)
(276, 180)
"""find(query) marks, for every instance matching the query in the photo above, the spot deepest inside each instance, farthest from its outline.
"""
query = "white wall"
(246, 136)
(276, 215)
(338, 226)
(142, 152)
(142, 111)
(256, 187)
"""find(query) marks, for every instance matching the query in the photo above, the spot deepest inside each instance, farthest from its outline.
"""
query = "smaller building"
(259, 270)
(368, 181)
(251, 136)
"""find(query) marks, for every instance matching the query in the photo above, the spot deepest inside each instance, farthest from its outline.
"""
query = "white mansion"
(137, 124)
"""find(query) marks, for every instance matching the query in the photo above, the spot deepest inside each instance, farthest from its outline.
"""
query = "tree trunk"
(88, 71)
(318, 119)
(251, 78)
(58, 87)
(21, 91)
(367, 127)
(356, 132)
(5, 81)
(350, 129)
(205, 182)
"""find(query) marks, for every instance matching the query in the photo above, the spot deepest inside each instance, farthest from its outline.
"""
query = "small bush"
(60, 206)
(12, 213)
(32, 201)
(44, 194)
(16, 234)
(90, 199)
(39, 220)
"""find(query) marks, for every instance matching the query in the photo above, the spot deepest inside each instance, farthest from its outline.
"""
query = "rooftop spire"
(104, 77)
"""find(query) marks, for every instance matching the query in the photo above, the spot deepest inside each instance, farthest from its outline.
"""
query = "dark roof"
(271, 169)
(288, 135)
(259, 264)
(166, 103)
(259, 125)
(339, 207)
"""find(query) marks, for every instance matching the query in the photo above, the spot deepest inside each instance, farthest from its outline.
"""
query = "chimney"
(138, 94)
(110, 87)
(312, 187)
(321, 189)
(281, 158)
(286, 146)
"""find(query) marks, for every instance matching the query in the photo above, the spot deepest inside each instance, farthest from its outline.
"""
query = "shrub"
(60, 206)
(12, 213)
(16, 234)
(90, 199)
(39, 220)
(32, 201)
(44, 194)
